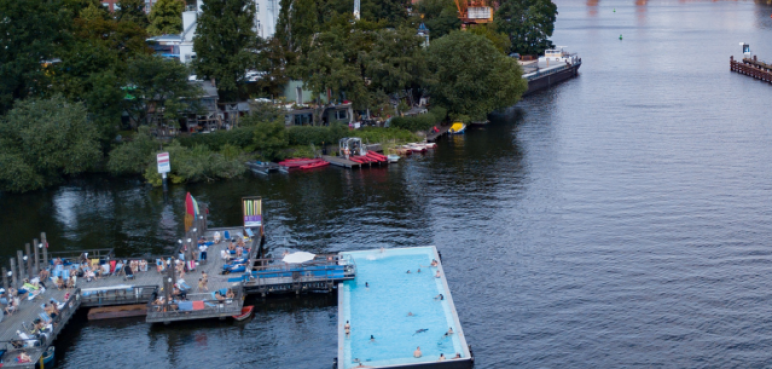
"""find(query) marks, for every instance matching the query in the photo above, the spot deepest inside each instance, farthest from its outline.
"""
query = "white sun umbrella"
(298, 257)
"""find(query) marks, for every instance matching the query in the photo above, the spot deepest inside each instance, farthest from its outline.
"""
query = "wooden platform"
(752, 68)
(433, 136)
(341, 162)
(112, 312)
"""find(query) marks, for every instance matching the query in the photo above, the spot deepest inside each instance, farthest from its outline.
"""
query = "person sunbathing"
(24, 358)
(59, 282)
(13, 305)
(71, 282)
(44, 274)
(90, 275)
(143, 265)
(229, 294)
(219, 296)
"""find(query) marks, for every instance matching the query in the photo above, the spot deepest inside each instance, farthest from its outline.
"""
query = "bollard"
(30, 271)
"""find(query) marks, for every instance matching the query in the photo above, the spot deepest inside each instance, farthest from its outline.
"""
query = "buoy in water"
(620, 37)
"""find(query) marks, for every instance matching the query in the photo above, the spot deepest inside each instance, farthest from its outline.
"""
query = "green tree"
(298, 21)
(396, 62)
(271, 139)
(29, 33)
(159, 85)
(440, 16)
(500, 40)
(529, 24)
(473, 77)
(133, 157)
(272, 61)
(223, 42)
(166, 17)
(43, 140)
(132, 11)
(393, 12)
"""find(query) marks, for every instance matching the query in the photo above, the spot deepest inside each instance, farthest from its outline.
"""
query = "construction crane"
(472, 12)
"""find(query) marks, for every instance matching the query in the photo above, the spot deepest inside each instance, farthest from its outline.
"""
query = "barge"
(554, 67)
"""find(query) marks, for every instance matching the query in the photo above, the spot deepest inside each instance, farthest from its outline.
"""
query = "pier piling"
(14, 274)
(6, 286)
(30, 272)
(44, 248)
(20, 261)
(35, 248)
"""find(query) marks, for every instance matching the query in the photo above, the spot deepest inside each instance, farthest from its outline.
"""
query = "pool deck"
(465, 362)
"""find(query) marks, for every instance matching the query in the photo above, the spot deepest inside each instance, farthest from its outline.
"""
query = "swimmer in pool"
(417, 352)
(372, 338)
(347, 328)
(437, 275)
(458, 356)
(408, 271)
(434, 263)
(410, 313)
(450, 331)
(439, 297)
(419, 270)
(442, 357)
(367, 285)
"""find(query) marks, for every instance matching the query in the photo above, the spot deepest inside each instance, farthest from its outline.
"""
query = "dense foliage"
(224, 36)
(476, 79)
(166, 17)
(529, 24)
(42, 140)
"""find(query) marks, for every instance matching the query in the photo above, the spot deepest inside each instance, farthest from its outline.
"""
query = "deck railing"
(76, 255)
(118, 296)
(324, 268)
(212, 307)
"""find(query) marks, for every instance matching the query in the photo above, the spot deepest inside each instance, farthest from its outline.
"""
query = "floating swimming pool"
(399, 311)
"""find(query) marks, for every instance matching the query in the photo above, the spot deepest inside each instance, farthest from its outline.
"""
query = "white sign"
(163, 163)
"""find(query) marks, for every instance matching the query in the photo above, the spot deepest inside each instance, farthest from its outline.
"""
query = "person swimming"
(442, 357)
(347, 328)
(417, 352)
(434, 263)
(437, 275)
(408, 271)
(458, 356)
(419, 270)
(372, 338)
(439, 297)
(367, 285)
(409, 313)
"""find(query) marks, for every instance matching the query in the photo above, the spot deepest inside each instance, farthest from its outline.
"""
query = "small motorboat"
(393, 158)
(457, 128)
(48, 358)
(246, 312)
(416, 147)
(430, 145)
(318, 164)
(298, 162)
(262, 167)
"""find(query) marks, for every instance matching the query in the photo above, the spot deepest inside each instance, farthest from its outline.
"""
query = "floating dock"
(122, 293)
(392, 313)
(341, 162)
(442, 130)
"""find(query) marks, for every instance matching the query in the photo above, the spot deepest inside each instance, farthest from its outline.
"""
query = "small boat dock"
(441, 130)
(752, 67)
(341, 162)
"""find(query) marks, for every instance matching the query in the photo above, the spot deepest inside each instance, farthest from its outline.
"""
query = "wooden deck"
(433, 136)
(341, 162)
(752, 68)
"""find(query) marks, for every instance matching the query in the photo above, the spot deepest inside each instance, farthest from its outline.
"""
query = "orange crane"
(474, 12)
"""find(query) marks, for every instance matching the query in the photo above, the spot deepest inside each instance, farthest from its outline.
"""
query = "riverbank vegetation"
(79, 74)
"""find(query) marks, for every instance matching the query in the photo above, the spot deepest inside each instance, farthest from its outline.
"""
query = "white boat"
(393, 158)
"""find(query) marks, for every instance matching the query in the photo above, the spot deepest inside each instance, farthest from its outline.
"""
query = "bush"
(270, 139)
(381, 135)
(419, 122)
(239, 137)
(306, 135)
(198, 163)
(133, 157)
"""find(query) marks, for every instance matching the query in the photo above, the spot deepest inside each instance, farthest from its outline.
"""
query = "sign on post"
(252, 209)
(163, 163)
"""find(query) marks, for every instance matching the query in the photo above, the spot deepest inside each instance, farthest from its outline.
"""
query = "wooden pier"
(753, 68)
(118, 289)
(433, 136)
(341, 162)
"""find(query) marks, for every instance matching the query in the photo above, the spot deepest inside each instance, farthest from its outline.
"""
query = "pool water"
(381, 310)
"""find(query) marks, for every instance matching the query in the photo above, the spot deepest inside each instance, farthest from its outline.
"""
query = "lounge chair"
(227, 236)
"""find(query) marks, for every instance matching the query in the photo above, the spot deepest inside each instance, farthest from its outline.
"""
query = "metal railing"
(324, 268)
(170, 310)
(77, 255)
(118, 295)
(37, 343)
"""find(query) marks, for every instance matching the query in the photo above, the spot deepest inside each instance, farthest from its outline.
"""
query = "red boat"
(246, 312)
(376, 156)
(294, 163)
(318, 164)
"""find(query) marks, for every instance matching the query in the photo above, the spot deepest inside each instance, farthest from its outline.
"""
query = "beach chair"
(227, 236)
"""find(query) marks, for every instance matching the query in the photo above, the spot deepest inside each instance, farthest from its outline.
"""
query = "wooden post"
(30, 271)
(20, 260)
(5, 279)
(45, 248)
(14, 275)
(35, 250)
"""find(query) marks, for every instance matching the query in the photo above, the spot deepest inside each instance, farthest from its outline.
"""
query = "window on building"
(341, 114)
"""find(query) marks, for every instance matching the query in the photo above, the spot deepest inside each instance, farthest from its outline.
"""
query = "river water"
(621, 219)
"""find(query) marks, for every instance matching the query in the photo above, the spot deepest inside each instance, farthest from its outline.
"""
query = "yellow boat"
(457, 128)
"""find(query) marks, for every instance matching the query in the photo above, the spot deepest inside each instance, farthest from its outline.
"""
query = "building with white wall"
(266, 17)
